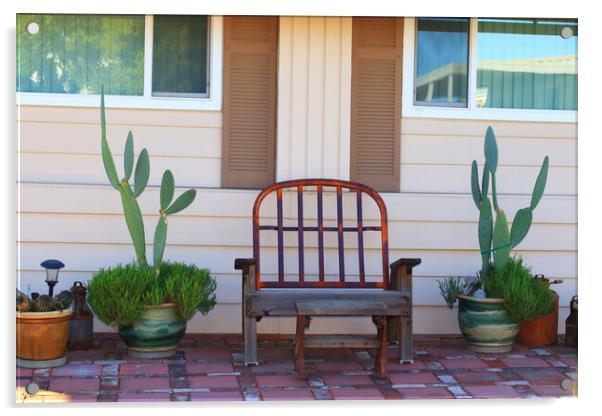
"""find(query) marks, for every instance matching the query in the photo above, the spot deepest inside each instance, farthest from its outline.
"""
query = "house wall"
(68, 211)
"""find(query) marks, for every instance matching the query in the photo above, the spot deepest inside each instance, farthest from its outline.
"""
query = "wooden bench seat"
(388, 300)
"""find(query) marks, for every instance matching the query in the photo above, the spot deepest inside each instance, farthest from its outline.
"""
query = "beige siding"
(314, 80)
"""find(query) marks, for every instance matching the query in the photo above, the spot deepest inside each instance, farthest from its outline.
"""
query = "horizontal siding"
(436, 155)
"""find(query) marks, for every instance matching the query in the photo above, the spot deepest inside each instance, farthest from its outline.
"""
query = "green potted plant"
(42, 329)
(505, 293)
(149, 305)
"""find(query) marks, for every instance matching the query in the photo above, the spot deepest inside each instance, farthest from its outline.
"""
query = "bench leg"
(381, 354)
(250, 340)
(406, 348)
(302, 323)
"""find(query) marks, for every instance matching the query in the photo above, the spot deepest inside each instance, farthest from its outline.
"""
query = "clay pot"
(541, 331)
(42, 336)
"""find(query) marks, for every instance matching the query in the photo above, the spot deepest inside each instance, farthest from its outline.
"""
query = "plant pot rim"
(481, 300)
(160, 306)
(50, 314)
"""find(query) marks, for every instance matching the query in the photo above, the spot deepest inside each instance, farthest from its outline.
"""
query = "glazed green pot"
(157, 334)
(486, 324)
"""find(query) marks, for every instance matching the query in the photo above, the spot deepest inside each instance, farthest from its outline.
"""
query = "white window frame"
(147, 101)
(471, 112)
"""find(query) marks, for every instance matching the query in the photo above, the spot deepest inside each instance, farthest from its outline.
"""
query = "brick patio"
(209, 368)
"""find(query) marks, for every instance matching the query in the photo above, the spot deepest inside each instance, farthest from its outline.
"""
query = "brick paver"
(209, 368)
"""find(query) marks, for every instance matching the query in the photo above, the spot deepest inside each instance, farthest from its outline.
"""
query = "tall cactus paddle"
(131, 209)
(496, 238)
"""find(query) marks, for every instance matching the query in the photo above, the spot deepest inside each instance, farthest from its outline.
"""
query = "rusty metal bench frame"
(278, 298)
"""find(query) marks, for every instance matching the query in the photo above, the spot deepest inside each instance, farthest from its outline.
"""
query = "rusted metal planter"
(541, 331)
(485, 324)
(157, 334)
(42, 338)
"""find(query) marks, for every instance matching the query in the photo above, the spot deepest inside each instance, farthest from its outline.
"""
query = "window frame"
(471, 111)
(212, 102)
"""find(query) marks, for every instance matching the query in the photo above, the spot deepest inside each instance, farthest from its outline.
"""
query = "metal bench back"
(340, 229)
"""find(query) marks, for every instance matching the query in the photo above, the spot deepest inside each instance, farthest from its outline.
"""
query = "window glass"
(75, 54)
(442, 61)
(180, 55)
(527, 63)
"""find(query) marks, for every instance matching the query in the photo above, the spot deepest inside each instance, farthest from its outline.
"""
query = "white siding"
(314, 86)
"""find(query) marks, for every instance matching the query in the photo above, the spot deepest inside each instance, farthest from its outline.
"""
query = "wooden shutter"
(249, 123)
(376, 101)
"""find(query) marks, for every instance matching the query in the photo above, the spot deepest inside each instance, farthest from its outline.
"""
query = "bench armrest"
(242, 264)
(401, 275)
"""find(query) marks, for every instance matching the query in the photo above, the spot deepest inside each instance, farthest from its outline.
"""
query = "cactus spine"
(131, 209)
(495, 237)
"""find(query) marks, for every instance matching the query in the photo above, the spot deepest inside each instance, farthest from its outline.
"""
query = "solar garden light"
(52, 273)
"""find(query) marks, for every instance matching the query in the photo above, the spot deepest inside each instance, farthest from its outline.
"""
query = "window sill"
(549, 116)
(119, 101)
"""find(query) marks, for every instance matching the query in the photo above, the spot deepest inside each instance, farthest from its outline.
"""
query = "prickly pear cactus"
(129, 195)
(63, 300)
(23, 302)
(496, 238)
(44, 303)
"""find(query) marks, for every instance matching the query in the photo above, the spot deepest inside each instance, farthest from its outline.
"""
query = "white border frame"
(471, 112)
(147, 101)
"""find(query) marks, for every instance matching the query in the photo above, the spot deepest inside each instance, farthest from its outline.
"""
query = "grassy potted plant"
(42, 329)
(148, 304)
(505, 293)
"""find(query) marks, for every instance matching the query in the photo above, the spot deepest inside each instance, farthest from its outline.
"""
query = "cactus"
(44, 303)
(131, 209)
(63, 300)
(23, 302)
(496, 237)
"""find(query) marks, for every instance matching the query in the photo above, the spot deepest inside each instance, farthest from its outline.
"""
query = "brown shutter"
(249, 125)
(376, 101)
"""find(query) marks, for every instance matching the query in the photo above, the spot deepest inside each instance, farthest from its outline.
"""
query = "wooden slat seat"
(388, 300)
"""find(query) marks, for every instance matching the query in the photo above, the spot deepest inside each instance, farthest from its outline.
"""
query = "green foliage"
(499, 240)
(131, 209)
(450, 289)
(525, 297)
(117, 295)
(190, 287)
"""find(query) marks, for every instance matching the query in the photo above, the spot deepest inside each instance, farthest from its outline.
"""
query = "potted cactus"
(505, 293)
(148, 304)
(42, 329)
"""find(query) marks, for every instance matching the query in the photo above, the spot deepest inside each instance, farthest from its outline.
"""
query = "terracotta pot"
(485, 324)
(42, 336)
(157, 334)
(541, 331)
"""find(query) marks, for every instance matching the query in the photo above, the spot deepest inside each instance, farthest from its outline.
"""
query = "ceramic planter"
(541, 331)
(42, 338)
(157, 334)
(486, 324)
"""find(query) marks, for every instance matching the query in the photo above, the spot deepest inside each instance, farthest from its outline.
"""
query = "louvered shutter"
(376, 101)
(249, 123)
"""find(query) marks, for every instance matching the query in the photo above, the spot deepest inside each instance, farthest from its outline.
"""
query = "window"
(519, 69)
(442, 61)
(75, 54)
(162, 61)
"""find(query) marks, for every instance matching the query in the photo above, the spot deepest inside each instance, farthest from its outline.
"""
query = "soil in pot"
(157, 334)
(485, 324)
(42, 338)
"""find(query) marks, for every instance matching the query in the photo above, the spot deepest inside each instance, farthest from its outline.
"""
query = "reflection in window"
(527, 63)
(75, 54)
(180, 55)
(442, 61)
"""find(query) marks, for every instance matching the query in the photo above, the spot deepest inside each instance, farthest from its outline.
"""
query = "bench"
(387, 299)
